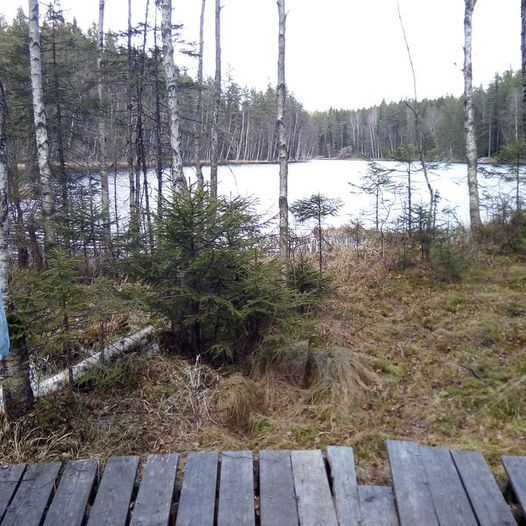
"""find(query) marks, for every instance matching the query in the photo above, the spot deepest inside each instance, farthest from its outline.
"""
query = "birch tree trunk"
(40, 120)
(198, 118)
(469, 121)
(523, 53)
(282, 137)
(103, 165)
(214, 136)
(177, 174)
(4, 209)
(17, 391)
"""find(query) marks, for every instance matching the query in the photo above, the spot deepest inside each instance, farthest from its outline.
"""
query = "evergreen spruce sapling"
(316, 207)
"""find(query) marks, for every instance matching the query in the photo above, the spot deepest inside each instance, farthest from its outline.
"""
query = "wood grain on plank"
(452, 505)
(516, 469)
(344, 484)
(112, 502)
(276, 489)
(377, 505)
(32, 497)
(483, 491)
(154, 500)
(236, 506)
(315, 504)
(410, 484)
(197, 502)
(10, 476)
(71, 498)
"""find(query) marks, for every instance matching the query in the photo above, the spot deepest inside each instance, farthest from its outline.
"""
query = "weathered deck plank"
(344, 484)
(73, 492)
(516, 469)
(32, 496)
(276, 485)
(10, 476)
(483, 491)
(451, 503)
(154, 500)
(431, 487)
(410, 484)
(236, 506)
(315, 504)
(377, 506)
(198, 494)
(112, 502)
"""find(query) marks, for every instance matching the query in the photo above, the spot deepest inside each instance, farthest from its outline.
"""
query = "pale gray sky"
(340, 53)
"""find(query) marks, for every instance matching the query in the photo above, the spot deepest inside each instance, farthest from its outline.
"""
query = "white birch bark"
(103, 168)
(140, 341)
(214, 135)
(178, 178)
(469, 120)
(523, 55)
(4, 208)
(282, 138)
(40, 118)
(19, 396)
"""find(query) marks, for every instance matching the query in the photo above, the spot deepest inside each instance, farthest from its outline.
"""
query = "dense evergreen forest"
(247, 130)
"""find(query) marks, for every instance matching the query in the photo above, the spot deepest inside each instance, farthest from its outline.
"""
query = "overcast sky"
(340, 53)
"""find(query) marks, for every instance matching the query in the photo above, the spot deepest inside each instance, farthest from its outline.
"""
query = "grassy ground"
(395, 355)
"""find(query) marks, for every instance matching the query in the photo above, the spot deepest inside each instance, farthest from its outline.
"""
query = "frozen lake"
(332, 178)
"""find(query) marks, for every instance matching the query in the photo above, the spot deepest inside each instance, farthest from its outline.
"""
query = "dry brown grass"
(395, 355)
(236, 399)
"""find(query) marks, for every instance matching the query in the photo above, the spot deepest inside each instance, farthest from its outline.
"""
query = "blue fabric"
(4, 333)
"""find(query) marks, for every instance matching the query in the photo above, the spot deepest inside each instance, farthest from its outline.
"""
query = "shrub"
(448, 262)
(211, 277)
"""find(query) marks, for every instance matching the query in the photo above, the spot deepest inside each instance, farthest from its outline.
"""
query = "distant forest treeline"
(247, 117)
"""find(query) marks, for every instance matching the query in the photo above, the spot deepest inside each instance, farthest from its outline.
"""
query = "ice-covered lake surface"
(335, 179)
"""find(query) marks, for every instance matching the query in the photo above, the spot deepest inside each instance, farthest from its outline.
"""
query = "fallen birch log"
(142, 340)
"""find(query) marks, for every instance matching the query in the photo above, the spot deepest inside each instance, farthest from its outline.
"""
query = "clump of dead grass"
(235, 400)
(334, 379)
(341, 378)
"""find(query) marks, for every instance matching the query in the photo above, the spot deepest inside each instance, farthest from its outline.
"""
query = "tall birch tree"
(40, 119)
(17, 393)
(177, 174)
(282, 137)
(4, 224)
(214, 136)
(103, 168)
(523, 54)
(469, 120)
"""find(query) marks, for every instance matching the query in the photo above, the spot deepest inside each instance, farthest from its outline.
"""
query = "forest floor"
(408, 357)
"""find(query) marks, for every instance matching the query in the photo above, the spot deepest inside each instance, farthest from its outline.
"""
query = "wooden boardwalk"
(430, 487)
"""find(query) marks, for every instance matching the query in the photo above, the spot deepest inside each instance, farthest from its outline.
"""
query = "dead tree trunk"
(282, 134)
(469, 121)
(158, 134)
(198, 119)
(134, 211)
(103, 165)
(40, 118)
(214, 135)
(178, 178)
(418, 134)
